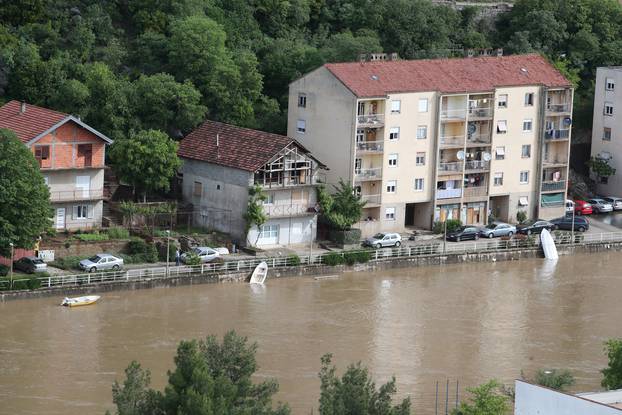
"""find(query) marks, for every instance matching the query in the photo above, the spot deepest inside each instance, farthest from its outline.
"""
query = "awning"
(502, 126)
(523, 201)
(500, 151)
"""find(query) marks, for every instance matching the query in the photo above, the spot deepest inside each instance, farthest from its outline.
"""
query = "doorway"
(60, 218)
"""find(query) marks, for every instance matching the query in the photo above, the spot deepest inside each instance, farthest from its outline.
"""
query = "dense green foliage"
(486, 399)
(612, 374)
(343, 208)
(25, 209)
(558, 379)
(141, 251)
(255, 214)
(600, 167)
(451, 224)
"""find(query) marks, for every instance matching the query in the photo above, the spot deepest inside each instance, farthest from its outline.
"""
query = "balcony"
(453, 115)
(555, 162)
(362, 175)
(479, 139)
(370, 121)
(475, 191)
(557, 134)
(480, 113)
(557, 108)
(452, 141)
(71, 195)
(371, 147)
(448, 193)
(450, 168)
(479, 165)
(550, 186)
(276, 211)
(371, 200)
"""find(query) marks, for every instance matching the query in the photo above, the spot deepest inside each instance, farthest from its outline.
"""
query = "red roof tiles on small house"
(231, 146)
(375, 79)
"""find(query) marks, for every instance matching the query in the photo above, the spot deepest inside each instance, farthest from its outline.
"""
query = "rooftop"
(611, 398)
(379, 78)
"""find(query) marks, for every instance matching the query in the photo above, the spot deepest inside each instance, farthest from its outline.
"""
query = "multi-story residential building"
(222, 162)
(71, 156)
(607, 127)
(430, 140)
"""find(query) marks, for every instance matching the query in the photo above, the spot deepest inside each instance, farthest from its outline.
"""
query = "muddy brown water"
(466, 322)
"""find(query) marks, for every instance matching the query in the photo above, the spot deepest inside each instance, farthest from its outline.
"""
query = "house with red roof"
(221, 162)
(429, 140)
(71, 156)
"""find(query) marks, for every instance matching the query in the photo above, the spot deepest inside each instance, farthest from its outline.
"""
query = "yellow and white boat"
(80, 301)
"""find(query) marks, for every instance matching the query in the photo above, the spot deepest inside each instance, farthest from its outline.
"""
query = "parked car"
(581, 224)
(101, 262)
(205, 254)
(497, 229)
(464, 233)
(581, 207)
(616, 202)
(381, 240)
(534, 226)
(569, 206)
(600, 205)
(30, 264)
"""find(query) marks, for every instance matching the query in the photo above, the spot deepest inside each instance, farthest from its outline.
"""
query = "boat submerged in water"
(259, 274)
(80, 301)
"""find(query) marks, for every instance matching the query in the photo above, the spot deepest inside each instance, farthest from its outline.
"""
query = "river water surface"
(467, 322)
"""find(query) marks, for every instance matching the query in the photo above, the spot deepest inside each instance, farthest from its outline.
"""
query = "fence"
(382, 254)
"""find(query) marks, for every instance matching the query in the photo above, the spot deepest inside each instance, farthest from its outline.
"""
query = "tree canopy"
(612, 374)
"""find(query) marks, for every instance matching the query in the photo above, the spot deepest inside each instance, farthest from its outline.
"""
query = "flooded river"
(459, 322)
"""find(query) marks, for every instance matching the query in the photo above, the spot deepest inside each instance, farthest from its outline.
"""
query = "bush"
(4, 270)
(333, 258)
(192, 259)
(172, 248)
(34, 283)
(352, 258)
(87, 237)
(521, 216)
(452, 225)
(142, 251)
(118, 233)
(31, 283)
(349, 237)
(68, 262)
(293, 260)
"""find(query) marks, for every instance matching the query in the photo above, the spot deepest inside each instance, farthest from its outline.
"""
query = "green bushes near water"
(349, 258)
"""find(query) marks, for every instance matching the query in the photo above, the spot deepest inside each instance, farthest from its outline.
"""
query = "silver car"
(205, 254)
(616, 202)
(101, 262)
(497, 229)
(381, 240)
(600, 205)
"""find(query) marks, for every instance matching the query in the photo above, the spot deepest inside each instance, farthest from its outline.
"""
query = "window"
(606, 134)
(85, 154)
(357, 165)
(302, 100)
(420, 159)
(269, 231)
(361, 108)
(610, 84)
(42, 153)
(608, 108)
(389, 213)
(524, 177)
(360, 135)
(500, 153)
(197, 189)
(498, 179)
(419, 185)
(391, 186)
(422, 132)
(526, 151)
(392, 160)
(423, 105)
(301, 126)
(529, 99)
(394, 133)
(527, 125)
(396, 106)
(217, 187)
(604, 179)
(502, 127)
(523, 201)
(80, 212)
(503, 101)
(269, 200)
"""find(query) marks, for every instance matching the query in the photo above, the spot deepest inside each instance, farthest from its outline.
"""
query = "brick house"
(71, 156)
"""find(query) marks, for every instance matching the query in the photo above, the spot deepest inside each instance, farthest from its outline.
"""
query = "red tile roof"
(34, 121)
(372, 79)
(240, 148)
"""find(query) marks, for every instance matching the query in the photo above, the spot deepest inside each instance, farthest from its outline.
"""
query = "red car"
(581, 207)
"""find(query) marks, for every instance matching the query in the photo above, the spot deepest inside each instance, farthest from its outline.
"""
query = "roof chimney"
(22, 107)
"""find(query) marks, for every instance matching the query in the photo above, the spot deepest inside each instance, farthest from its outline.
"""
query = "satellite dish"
(486, 156)
(472, 128)
(460, 155)
(567, 121)
(604, 155)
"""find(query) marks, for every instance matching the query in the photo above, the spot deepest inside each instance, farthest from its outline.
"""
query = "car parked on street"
(464, 233)
(600, 205)
(581, 224)
(30, 265)
(569, 206)
(616, 202)
(534, 226)
(205, 254)
(101, 262)
(581, 207)
(497, 229)
(382, 240)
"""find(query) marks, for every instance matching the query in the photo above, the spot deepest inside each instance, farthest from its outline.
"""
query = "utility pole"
(311, 240)
(168, 238)
(11, 274)
(572, 227)
(445, 236)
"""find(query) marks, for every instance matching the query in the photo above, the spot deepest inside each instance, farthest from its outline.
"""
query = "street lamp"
(444, 236)
(168, 234)
(11, 273)
(310, 240)
(572, 227)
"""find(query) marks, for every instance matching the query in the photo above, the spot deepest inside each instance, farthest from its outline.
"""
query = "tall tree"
(612, 374)
(486, 399)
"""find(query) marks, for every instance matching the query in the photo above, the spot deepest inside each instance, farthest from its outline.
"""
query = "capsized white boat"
(548, 245)
(260, 273)
(79, 301)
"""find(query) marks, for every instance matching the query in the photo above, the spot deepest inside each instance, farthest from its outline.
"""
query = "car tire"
(92, 269)
(529, 232)
(116, 267)
(378, 246)
(510, 234)
(476, 237)
(581, 229)
(397, 244)
(457, 239)
(491, 235)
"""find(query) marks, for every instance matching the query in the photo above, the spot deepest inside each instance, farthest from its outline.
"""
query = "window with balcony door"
(527, 126)
(360, 135)
(529, 99)
(391, 186)
(502, 127)
(526, 151)
(357, 165)
(42, 153)
(418, 185)
(422, 132)
(85, 155)
(606, 134)
(361, 108)
(394, 133)
(420, 159)
(396, 106)
(302, 100)
(392, 160)
(389, 213)
(524, 177)
(608, 108)
(610, 84)
(498, 179)
(500, 153)
(503, 101)
(423, 105)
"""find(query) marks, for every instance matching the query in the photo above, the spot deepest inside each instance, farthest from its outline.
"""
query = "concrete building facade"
(431, 140)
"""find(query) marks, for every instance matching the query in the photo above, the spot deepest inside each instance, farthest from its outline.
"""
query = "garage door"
(269, 235)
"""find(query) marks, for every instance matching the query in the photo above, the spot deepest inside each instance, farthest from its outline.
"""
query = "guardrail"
(436, 248)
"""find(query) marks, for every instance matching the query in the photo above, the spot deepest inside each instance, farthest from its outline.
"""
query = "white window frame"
(528, 122)
(419, 184)
(302, 100)
(500, 153)
(498, 179)
(502, 127)
(82, 212)
(608, 110)
(391, 186)
(522, 151)
(422, 132)
(529, 99)
(503, 101)
(606, 137)
(396, 106)
(394, 133)
(420, 158)
(393, 160)
(524, 177)
(389, 213)
(610, 84)
(360, 135)
(301, 126)
(423, 105)
(269, 231)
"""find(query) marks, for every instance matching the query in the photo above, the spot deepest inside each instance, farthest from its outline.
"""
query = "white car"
(569, 206)
(381, 240)
(600, 205)
(205, 254)
(616, 202)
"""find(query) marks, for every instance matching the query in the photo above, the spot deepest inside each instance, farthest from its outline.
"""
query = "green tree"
(558, 379)
(147, 160)
(612, 374)
(355, 393)
(255, 215)
(25, 208)
(346, 47)
(341, 209)
(486, 399)
(133, 396)
(601, 167)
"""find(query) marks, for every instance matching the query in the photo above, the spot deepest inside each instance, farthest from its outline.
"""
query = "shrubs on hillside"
(141, 251)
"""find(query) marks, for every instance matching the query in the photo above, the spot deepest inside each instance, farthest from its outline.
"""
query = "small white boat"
(548, 245)
(260, 273)
(80, 301)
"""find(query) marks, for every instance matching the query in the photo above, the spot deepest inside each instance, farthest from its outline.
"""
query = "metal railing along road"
(436, 248)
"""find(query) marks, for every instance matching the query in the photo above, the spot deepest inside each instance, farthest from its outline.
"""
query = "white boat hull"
(259, 274)
(548, 245)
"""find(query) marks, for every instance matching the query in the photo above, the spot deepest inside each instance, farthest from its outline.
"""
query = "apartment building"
(607, 127)
(431, 140)
(221, 162)
(71, 156)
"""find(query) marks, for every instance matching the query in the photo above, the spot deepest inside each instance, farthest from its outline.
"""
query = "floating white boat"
(79, 301)
(548, 245)
(260, 273)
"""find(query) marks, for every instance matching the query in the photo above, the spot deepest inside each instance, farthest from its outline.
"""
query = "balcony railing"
(450, 167)
(453, 114)
(479, 139)
(452, 140)
(475, 191)
(69, 195)
(555, 108)
(371, 199)
(370, 146)
(288, 210)
(283, 181)
(555, 162)
(448, 193)
(368, 174)
(557, 134)
(477, 165)
(556, 203)
(480, 112)
(558, 185)
(370, 120)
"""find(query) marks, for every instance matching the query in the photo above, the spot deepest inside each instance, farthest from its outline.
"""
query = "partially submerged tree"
(486, 399)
